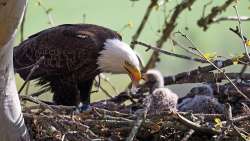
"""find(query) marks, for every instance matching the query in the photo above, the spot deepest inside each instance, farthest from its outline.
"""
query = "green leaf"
(218, 123)
(210, 56)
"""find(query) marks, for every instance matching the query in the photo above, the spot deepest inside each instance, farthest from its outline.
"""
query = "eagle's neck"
(113, 55)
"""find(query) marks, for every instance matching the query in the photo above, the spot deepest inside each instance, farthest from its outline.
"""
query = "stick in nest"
(33, 69)
(140, 119)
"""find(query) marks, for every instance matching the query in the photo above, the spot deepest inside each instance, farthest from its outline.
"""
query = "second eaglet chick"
(201, 100)
(162, 99)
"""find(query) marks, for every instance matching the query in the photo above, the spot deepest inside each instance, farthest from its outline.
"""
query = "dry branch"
(203, 77)
(204, 22)
(168, 29)
(169, 53)
(231, 18)
(205, 69)
(152, 4)
(241, 32)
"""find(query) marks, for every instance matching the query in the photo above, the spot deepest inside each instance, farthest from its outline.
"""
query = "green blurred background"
(118, 14)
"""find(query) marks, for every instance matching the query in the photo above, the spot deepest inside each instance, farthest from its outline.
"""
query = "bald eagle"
(74, 55)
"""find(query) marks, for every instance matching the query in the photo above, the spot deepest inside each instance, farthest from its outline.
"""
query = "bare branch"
(34, 68)
(47, 12)
(188, 135)
(152, 4)
(196, 126)
(231, 18)
(241, 32)
(188, 77)
(141, 118)
(215, 66)
(169, 53)
(215, 11)
(35, 100)
(169, 27)
(106, 79)
(221, 71)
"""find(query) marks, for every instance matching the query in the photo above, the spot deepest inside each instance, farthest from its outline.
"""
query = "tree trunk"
(12, 127)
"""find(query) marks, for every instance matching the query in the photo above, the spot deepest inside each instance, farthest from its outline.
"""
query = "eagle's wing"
(66, 48)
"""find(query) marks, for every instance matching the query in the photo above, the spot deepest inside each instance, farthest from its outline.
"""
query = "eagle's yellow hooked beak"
(134, 73)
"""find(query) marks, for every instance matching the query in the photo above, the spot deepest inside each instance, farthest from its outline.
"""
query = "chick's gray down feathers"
(162, 99)
(201, 100)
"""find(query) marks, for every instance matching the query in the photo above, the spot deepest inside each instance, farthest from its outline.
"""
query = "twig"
(106, 79)
(209, 19)
(140, 119)
(196, 126)
(123, 96)
(35, 100)
(143, 22)
(204, 69)
(241, 32)
(57, 107)
(231, 18)
(113, 113)
(99, 87)
(169, 53)
(47, 12)
(205, 7)
(218, 68)
(34, 68)
(229, 123)
(108, 117)
(237, 32)
(36, 94)
(242, 71)
(178, 44)
(188, 77)
(221, 71)
(169, 27)
(188, 135)
(240, 134)
(106, 92)
(241, 118)
(109, 123)
(24, 68)
(27, 90)
(84, 16)
(223, 91)
(229, 115)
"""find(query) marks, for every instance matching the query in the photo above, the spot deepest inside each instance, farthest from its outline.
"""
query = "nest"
(113, 120)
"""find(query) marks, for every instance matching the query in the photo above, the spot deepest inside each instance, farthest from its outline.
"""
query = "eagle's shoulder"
(86, 32)
(81, 30)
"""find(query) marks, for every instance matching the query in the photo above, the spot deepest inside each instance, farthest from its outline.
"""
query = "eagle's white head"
(118, 57)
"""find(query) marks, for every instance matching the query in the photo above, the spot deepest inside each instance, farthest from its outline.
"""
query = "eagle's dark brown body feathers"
(70, 52)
